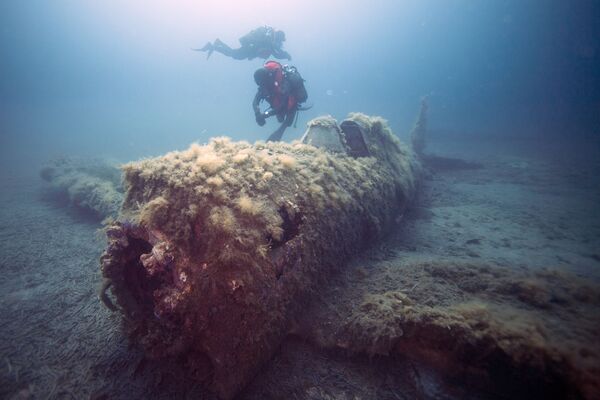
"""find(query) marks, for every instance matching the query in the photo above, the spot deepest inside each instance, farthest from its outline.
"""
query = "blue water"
(118, 79)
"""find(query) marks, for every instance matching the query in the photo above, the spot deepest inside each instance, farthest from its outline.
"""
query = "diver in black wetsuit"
(262, 42)
(283, 88)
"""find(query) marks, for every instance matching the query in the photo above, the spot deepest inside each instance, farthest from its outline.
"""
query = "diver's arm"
(288, 121)
(256, 102)
(258, 115)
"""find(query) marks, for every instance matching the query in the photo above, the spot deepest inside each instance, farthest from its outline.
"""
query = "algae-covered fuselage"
(218, 245)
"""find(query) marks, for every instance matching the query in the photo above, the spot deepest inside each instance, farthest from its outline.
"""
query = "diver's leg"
(206, 47)
(289, 119)
(237, 54)
(276, 136)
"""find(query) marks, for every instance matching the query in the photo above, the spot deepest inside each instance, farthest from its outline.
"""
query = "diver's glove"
(260, 118)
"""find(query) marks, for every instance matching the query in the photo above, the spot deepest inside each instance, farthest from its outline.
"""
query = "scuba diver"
(262, 42)
(283, 88)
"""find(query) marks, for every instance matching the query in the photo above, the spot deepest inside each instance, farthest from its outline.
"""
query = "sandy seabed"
(513, 246)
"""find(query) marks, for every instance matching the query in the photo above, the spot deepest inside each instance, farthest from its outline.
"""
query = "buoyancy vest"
(276, 97)
(287, 87)
(261, 39)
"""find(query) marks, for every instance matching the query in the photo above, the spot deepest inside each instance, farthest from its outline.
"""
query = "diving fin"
(209, 48)
(304, 108)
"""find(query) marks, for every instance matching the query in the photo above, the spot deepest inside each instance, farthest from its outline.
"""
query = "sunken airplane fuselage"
(216, 246)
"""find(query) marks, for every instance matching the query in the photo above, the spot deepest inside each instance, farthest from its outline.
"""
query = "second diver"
(282, 87)
(262, 42)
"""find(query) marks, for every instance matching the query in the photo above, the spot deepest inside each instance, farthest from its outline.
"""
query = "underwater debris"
(514, 333)
(418, 135)
(103, 296)
(91, 184)
(215, 271)
(324, 132)
(418, 138)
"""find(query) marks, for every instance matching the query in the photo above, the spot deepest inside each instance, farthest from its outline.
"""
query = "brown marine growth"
(218, 246)
(92, 185)
(513, 333)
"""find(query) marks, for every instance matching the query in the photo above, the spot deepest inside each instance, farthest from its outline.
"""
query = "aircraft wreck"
(217, 247)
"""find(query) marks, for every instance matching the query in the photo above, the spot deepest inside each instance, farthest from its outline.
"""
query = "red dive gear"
(277, 97)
